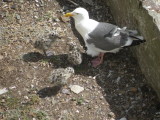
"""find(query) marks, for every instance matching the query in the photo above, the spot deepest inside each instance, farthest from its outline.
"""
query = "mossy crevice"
(134, 15)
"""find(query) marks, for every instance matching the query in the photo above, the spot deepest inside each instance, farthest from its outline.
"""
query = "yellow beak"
(68, 15)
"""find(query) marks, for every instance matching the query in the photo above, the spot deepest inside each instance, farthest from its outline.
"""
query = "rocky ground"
(116, 90)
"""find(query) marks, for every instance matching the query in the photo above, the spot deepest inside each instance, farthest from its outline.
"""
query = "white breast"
(85, 26)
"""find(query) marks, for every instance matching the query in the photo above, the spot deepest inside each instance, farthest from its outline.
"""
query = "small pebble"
(18, 17)
(111, 114)
(49, 53)
(94, 77)
(12, 87)
(56, 20)
(90, 77)
(101, 97)
(77, 111)
(26, 97)
(65, 91)
(37, 5)
(36, 17)
(123, 118)
(32, 86)
(112, 119)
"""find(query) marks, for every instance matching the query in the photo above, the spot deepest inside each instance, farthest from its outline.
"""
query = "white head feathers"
(80, 13)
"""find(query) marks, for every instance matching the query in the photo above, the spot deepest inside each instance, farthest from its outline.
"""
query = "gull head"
(78, 14)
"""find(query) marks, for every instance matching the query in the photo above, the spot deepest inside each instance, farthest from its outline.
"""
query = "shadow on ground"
(56, 60)
(48, 91)
(33, 57)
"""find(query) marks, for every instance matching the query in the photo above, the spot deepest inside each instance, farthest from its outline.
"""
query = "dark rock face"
(144, 16)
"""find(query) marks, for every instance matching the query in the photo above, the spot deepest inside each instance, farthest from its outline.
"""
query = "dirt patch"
(114, 90)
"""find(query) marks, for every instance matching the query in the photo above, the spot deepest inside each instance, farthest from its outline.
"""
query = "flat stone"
(76, 89)
(2, 91)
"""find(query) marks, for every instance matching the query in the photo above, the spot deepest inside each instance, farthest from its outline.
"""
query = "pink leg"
(97, 61)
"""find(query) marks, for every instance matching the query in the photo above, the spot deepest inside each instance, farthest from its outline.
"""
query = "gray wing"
(104, 37)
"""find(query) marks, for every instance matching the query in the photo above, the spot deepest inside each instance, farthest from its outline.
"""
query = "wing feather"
(108, 37)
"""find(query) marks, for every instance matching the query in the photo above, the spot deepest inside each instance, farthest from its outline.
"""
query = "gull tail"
(132, 37)
(136, 40)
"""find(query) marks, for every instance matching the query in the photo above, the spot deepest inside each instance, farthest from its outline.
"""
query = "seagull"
(60, 76)
(45, 43)
(74, 55)
(101, 37)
